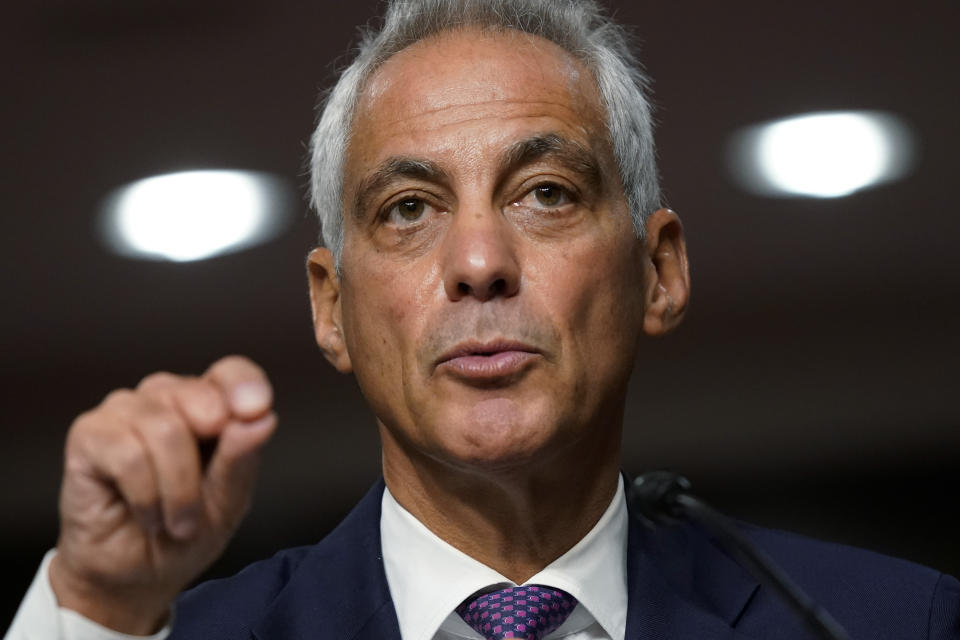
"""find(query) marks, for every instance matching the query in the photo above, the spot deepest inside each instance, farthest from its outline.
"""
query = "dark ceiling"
(813, 386)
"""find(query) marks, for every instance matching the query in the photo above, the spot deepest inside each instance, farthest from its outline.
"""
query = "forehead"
(458, 84)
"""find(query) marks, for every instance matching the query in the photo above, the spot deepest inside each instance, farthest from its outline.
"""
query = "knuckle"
(196, 391)
(83, 423)
(237, 364)
(130, 461)
(77, 438)
(92, 429)
(204, 402)
(235, 359)
(158, 380)
(118, 397)
(164, 427)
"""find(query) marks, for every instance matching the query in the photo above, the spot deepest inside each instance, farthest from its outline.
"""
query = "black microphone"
(663, 497)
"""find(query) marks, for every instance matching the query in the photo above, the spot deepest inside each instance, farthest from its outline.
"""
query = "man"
(494, 253)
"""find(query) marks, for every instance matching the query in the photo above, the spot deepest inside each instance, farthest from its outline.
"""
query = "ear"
(327, 315)
(668, 273)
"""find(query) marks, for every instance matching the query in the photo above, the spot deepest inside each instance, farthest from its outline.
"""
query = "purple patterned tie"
(529, 612)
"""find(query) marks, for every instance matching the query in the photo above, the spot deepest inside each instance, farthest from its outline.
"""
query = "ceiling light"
(192, 215)
(822, 155)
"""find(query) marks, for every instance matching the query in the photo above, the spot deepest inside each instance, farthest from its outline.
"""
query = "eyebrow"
(568, 152)
(522, 153)
(390, 170)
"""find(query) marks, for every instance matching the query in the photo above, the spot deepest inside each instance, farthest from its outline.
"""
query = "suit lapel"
(679, 586)
(682, 586)
(339, 591)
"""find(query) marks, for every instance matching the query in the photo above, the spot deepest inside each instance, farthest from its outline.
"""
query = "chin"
(498, 434)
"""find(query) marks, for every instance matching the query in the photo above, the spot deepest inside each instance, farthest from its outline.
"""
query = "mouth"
(487, 362)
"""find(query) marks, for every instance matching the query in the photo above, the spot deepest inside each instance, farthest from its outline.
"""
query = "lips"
(485, 362)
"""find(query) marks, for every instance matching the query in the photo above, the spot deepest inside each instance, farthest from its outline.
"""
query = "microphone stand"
(664, 498)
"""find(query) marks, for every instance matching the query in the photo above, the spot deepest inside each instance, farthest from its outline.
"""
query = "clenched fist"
(142, 510)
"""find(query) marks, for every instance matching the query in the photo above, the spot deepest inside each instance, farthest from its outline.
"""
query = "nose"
(479, 257)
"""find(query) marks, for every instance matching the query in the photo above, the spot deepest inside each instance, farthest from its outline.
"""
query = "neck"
(516, 520)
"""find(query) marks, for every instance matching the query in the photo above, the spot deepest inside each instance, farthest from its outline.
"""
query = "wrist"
(119, 608)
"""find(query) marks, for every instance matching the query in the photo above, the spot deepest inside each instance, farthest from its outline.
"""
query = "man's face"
(492, 287)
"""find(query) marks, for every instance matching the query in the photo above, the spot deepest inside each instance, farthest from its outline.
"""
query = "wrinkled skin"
(456, 242)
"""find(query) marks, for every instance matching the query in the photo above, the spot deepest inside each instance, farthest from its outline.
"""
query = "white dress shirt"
(427, 578)
(41, 618)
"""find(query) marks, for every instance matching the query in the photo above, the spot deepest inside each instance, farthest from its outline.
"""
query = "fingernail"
(184, 526)
(250, 397)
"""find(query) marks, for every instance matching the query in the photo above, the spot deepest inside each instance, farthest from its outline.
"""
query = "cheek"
(596, 296)
(388, 306)
(369, 318)
(384, 307)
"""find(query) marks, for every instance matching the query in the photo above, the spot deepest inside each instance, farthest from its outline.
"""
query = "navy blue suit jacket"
(681, 586)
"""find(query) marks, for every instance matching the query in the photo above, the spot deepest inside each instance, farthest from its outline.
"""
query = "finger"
(243, 384)
(199, 401)
(175, 457)
(117, 456)
(230, 478)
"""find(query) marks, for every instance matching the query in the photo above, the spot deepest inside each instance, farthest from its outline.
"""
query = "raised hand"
(142, 510)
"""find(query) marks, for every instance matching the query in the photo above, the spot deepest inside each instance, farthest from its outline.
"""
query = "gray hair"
(578, 26)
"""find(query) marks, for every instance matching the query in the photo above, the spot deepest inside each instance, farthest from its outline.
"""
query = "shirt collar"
(428, 577)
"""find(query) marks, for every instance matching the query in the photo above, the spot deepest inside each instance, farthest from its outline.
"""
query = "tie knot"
(529, 612)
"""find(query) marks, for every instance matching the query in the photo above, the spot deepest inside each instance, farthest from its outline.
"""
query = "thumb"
(232, 472)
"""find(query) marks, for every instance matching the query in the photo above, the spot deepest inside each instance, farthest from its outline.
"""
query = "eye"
(546, 196)
(407, 210)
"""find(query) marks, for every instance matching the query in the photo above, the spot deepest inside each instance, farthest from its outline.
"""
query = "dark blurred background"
(814, 386)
